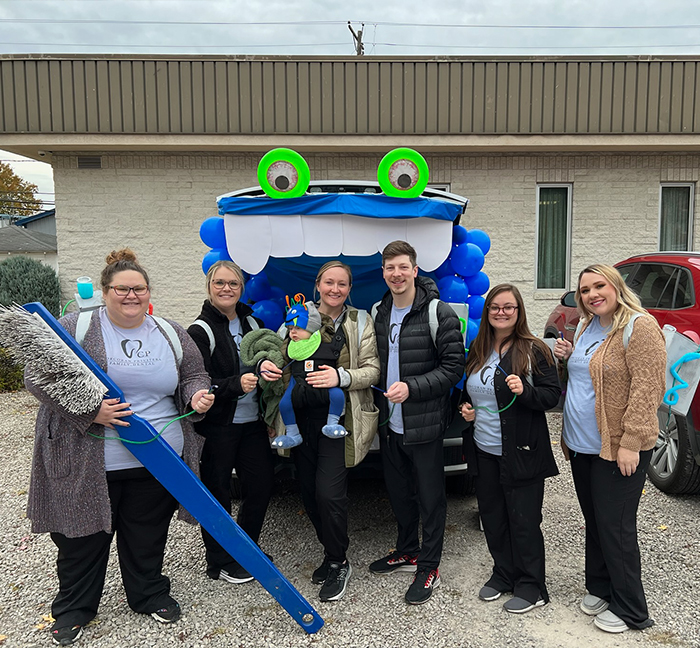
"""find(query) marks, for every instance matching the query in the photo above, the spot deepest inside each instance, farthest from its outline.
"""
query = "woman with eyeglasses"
(86, 487)
(511, 382)
(235, 434)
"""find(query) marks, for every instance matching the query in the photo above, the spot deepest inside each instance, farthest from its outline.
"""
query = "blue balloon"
(270, 312)
(212, 233)
(476, 306)
(459, 235)
(472, 330)
(211, 257)
(453, 289)
(444, 269)
(277, 294)
(478, 284)
(467, 259)
(460, 384)
(258, 288)
(479, 238)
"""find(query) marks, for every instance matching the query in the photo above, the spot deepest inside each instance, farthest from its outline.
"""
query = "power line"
(229, 46)
(310, 23)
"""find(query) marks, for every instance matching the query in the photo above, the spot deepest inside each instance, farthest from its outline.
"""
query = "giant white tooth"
(432, 240)
(248, 240)
(358, 236)
(387, 230)
(287, 236)
(323, 235)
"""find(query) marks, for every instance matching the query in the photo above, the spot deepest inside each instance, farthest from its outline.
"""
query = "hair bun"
(125, 254)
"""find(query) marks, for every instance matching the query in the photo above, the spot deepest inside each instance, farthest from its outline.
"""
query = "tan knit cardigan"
(629, 385)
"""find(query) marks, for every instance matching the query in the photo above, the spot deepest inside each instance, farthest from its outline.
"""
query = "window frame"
(569, 218)
(691, 214)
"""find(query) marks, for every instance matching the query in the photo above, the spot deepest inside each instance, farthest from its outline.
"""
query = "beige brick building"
(169, 135)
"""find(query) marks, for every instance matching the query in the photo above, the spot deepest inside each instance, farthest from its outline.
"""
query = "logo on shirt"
(394, 332)
(485, 378)
(133, 348)
(589, 350)
(308, 365)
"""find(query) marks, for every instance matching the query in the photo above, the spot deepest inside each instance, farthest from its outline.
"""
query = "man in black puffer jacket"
(418, 371)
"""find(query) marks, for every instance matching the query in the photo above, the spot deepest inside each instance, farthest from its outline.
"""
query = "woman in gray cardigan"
(87, 487)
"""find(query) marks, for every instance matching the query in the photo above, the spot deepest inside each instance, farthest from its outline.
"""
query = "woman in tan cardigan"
(615, 384)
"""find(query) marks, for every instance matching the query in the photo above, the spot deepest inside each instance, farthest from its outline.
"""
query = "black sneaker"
(321, 572)
(336, 582)
(168, 614)
(66, 636)
(237, 575)
(394, 562)
(424, 582)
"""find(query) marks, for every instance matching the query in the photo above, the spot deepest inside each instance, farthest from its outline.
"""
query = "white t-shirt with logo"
(141, 362)
(393, 370)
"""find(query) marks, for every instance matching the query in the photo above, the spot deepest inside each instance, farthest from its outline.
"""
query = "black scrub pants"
(245, 447)
(511, 516)
(141, 514)
(323, 480)
(609, 503)
(415, 481)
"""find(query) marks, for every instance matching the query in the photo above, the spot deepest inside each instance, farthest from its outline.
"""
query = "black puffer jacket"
(430, 370)
(224, 366)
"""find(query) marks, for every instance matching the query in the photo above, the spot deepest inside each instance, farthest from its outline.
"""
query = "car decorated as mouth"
(281, 232)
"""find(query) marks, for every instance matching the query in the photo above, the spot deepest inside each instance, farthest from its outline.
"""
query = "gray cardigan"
(68, 489)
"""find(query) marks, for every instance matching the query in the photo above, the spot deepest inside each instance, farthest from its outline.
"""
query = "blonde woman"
(615, 384)
(235, 435)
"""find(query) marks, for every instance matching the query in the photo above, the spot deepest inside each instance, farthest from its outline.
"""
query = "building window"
(676, 217)
(553, 236)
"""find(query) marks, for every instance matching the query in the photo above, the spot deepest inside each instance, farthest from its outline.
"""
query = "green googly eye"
(403, 173)
(283, 173)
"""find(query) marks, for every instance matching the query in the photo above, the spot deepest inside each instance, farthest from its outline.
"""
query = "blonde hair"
(333, 264)
(627, 301)
(224, 264)
(119, 261)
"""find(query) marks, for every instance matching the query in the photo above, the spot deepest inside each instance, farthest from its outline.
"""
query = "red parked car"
(668, 284)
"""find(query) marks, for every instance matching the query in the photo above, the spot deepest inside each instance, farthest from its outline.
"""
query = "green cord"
(391, 413)
(142, 442)
(503, 409)
(68, 303)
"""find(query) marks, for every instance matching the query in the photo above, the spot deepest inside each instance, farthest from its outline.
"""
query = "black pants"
(609, 503)
(415, 482)
(323, 479)
(245, 447)
(511, 516)
(141, 514)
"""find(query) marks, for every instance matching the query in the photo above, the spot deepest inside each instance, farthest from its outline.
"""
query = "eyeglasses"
(507, 310)
(123, 291)
(220, 284)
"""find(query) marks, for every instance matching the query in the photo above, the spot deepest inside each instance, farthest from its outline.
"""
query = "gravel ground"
(373, 612)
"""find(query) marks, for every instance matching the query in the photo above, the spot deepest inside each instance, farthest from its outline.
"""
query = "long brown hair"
(522, 342)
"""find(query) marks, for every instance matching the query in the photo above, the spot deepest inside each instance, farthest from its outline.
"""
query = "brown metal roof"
(348, 96)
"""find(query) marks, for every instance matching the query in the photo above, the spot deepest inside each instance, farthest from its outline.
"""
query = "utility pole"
(357, 37)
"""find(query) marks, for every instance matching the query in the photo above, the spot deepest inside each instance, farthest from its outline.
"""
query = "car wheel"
(673, 468)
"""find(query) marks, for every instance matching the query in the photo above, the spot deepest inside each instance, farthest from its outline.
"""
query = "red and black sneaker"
(67, 635)
(424, 582)
(394, 562)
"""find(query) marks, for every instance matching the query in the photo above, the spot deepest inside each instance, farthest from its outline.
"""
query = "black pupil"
(404, 180)
(282, 182)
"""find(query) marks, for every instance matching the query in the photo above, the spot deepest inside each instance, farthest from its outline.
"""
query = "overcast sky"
(314, 27)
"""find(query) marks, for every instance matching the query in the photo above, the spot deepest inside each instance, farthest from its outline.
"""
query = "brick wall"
(155, 203)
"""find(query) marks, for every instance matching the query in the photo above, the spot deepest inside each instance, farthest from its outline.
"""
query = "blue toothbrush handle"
(175, 475)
